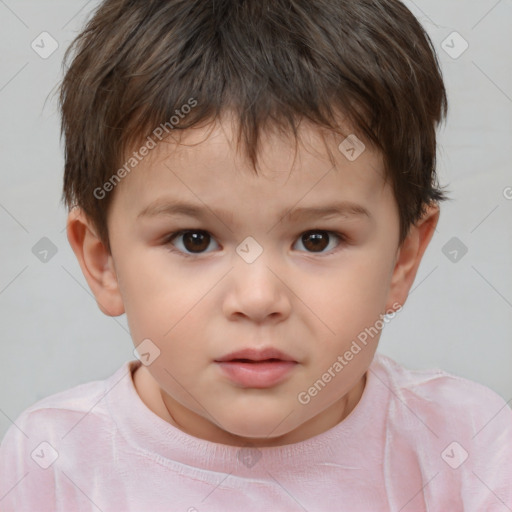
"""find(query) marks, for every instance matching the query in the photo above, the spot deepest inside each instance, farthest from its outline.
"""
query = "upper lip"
(254, 354)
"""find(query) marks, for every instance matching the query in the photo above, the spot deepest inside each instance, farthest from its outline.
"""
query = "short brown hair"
(269, 62)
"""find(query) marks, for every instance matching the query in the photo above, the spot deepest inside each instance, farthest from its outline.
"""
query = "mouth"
(252, 368)
(252, 355)
(271, 360)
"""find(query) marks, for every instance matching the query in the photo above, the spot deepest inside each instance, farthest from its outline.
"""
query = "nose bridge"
(255, 289)
(252, 268)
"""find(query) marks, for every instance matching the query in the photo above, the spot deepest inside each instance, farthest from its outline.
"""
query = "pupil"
(318, 239)
(198, 242)
(195, 241)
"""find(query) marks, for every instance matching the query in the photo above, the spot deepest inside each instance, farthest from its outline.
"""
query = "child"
(253, 183)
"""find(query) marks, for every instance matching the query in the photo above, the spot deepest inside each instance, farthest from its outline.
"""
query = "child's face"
(201, 298)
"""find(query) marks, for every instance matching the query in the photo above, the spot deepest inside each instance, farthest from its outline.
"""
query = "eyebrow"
(171, 208)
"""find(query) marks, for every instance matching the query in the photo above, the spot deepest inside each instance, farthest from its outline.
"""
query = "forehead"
(205, 164)
(314, 142)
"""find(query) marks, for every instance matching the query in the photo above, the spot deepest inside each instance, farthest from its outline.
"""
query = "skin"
(308, 301)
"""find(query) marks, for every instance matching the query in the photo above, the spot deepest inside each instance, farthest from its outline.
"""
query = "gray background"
(458, 316)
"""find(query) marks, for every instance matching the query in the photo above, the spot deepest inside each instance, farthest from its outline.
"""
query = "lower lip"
(257, 375)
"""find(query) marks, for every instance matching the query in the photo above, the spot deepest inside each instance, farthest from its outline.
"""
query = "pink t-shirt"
(417, 441)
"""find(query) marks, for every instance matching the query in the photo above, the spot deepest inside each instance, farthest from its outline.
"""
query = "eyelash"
(343, 239)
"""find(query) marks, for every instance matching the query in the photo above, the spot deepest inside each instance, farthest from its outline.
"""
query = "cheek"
(155, 297)
(169, 308)
(356, 290)
(343, 309)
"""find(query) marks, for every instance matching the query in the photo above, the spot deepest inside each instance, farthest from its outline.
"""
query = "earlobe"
(409, 257)
(96, 263)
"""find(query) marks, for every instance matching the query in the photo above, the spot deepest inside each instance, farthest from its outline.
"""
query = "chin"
(257, 428)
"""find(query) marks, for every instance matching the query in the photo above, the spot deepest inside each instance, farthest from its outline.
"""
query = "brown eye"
(315, 241)
(191, 242)
(196, 241)
(319, 240)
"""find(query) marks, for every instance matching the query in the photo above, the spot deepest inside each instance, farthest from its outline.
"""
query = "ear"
(409, 257)
(96, 263)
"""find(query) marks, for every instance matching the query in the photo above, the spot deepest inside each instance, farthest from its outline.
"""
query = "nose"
(258, 292)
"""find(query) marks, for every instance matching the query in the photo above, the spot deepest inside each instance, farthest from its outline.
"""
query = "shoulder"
(70, 403)
(53, 418)
(435, 386)
(57, 431)
(448, 429)
(440, 391)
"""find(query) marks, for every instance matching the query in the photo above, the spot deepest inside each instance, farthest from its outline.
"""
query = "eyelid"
(343, 239)
(168, 239)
